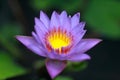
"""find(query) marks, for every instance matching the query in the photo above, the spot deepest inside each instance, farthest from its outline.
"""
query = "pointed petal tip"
(94, 40)
(23, 39)
(54, 67)
(63, 12)
(54, 12)
(83, 23)
(18, 37)
(78, 14)
(36, 19)
(44, 19)
(33, 32)
(43, 14)
(41, 11)
(55, 20)
(88, 57)
(98, 40)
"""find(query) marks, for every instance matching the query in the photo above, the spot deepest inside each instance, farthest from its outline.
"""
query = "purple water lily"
(59, 39)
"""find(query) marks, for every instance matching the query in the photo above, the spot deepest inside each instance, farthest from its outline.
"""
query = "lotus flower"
(59, 39)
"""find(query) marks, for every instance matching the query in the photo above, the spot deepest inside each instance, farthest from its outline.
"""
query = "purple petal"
(57, 56)
(31, 44)
(55, 67)
(55, 22)
(63, 16)
(79, 27)
(75, 20)
(36, 37)
(78, 32)
(86, 44)
(40, 26)
(40, 30)
(44, 18)
(65, 22)
(79, 36)
(78, 57)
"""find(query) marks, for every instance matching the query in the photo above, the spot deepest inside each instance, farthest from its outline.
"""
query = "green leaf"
(7, 37)
(40, 4)
(77, 66)
(9, 30)
(76, 5)
(63, 78)
(103, 16)
(8, 68)
(57, 4)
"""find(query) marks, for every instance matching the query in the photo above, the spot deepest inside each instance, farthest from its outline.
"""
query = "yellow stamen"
(58, 39)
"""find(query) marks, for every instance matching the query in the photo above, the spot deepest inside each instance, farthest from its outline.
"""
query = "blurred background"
(102, 19)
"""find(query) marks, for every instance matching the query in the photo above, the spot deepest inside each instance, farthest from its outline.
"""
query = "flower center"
(58, 39)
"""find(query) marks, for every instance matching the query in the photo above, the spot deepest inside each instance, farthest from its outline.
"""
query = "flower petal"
(67, 24)
(63, 16)
(40, 26)
(78, 28)
(78, 57)
(44, 18)
(56, 56)
(54, 67)
(40, 29)
(86, 44)
(78, 32)
(75, 20)
(65, 21)
(55, 22)
(35, 36)
(31, 44)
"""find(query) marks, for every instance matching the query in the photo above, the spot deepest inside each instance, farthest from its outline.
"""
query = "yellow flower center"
(58, 39)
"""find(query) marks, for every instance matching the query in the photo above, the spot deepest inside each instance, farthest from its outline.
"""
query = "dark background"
(102, 19)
